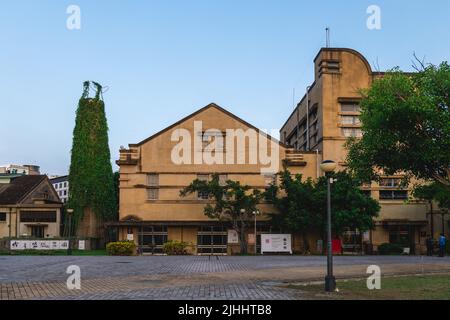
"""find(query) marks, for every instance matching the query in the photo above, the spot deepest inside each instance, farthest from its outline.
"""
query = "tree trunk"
(305, 243)
(242, 240)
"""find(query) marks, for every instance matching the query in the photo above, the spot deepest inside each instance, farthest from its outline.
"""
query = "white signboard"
(81, 244)
(233, 236)
(130, 237)
(39, 244)
(276, 243)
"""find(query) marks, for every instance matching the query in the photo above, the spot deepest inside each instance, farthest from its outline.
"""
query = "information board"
(276, 243)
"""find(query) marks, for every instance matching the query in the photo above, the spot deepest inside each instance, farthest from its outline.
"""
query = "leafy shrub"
(390, 249)
(174, 247)
(121, 248)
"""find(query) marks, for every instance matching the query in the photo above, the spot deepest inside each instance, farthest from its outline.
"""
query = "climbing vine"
(91, 177)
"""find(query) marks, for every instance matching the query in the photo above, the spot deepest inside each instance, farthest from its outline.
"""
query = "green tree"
(433, 192)
(91, 177)
(350, 207)
(231, 202)
(406, 127)
(297, 209)
(302, 204)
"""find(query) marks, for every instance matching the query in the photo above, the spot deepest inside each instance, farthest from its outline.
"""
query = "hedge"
(121, 248)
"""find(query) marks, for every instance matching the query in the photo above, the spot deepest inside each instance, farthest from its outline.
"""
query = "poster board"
(233, 237)
(39, 244)
(276, 243)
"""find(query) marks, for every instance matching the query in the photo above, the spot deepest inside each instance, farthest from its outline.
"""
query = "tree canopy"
(232, 202)
(302, 204)
(406, 127)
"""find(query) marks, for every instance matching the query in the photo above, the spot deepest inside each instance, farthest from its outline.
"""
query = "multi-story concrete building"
(324, 119)
(153, 172)
(152, 175)
(61, 185)
(28, 169)
(29, 207)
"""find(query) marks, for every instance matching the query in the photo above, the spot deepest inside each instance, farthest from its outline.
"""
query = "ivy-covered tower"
(92, 193)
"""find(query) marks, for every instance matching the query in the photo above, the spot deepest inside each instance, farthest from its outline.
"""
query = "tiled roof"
(19, 187)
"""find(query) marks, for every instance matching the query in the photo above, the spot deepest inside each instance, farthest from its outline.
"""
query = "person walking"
(430, 243)
(442, 242)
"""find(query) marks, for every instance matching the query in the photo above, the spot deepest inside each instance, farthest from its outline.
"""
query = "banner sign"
(39, 244)
(81, 245)
(233, 237)
(276, 243)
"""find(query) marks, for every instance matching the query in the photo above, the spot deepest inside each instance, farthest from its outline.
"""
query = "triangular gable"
(43, 191)
(211, 105)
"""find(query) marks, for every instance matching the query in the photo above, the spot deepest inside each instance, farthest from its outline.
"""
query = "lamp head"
(328, 166)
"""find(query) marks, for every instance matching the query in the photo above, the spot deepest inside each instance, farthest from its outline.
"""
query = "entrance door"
(37, 231)
(212, 240)
(152, 239)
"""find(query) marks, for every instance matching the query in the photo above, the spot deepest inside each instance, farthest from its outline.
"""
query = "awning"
(402, 222)
(131, 223)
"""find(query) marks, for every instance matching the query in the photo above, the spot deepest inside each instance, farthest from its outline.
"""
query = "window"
(216, 139)
(399, 235)
(65, 192)
(203, 195)
(2, 216)
(60, 184)
(212, 240)
(390, 182)
(153, 179)
(350, 107)
(152, 238)
(352, 132)
(393, 195)
(350, 120)
(55, 186)
(65, 184)
(223, 179)
(152, 194)
(37, 216)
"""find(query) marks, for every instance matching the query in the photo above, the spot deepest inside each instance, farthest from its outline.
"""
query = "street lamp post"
(256, 213)
(328, 167)
(69, 248)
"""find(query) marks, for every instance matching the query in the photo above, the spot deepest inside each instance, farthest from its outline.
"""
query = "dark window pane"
(37, 216)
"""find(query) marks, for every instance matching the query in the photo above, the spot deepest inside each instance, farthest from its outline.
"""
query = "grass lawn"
(54, 253)
(426, 287)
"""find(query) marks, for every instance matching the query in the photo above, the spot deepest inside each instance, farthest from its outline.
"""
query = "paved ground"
(188, 277)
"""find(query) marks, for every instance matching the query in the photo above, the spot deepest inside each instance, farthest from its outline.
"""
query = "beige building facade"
(327, 116)
(29, 207)
(153, 171)
(151, 177)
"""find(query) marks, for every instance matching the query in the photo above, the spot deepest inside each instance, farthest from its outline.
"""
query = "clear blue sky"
(163, 60)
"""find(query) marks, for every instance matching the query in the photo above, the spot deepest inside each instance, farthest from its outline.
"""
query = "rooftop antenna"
(327, 29)
(293, 98)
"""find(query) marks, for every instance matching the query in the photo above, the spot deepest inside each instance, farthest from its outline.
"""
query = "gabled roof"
(19, 187)
(209, 106)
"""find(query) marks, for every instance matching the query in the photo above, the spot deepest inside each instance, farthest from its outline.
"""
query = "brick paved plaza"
(188, 277)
